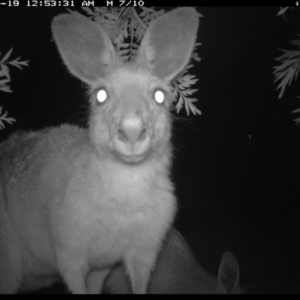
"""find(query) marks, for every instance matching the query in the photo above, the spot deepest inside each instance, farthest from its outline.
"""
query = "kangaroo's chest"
(110, 210)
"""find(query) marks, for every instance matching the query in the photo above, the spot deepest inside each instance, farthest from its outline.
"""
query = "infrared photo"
(149, 150)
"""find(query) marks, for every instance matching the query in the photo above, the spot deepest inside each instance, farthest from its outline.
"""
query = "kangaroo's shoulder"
(23, 149)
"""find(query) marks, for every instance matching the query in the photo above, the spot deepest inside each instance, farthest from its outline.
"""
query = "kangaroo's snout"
(132, 130)
(132, 140)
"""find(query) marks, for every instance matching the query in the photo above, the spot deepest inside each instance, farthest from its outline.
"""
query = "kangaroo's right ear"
(84, 46)
(228, 276)
(168, 42)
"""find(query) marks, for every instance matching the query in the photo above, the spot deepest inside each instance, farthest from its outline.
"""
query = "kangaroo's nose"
(132, 130)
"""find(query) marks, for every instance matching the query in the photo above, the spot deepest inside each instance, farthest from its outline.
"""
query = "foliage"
(5, 79)
(289, 66)
(4, 70)
(5, 118)
(126, 27)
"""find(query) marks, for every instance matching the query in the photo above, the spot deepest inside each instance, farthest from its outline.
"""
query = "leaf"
(5, 88)
(188, 102)
(295, 42)
(111, 16)
(186, 81)
(3, 119)
(4, 72)
(88, 10)
(288, 70)
(189, 92)
(282, 10)
(297, 121)
(18, 64)
(6, 56)
(179, 104)
(123, 52)
(4, 81)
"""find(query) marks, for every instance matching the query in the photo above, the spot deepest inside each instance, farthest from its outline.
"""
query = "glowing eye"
(101, 95)
(159, 96)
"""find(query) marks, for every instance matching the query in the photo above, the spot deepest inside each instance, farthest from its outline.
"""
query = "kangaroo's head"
(130, 102)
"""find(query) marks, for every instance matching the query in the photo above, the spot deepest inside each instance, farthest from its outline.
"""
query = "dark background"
(234, 193)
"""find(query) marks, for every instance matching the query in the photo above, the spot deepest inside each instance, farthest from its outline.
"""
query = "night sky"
(234, 193)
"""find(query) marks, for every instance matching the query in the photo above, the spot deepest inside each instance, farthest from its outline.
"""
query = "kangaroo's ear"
(84, 46)
(168, 42)
(228, 276)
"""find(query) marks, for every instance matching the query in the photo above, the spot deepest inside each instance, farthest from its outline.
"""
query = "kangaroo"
(73, 201)
(177, 271)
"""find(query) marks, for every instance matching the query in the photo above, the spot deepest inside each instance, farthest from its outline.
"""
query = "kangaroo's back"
(74, 202)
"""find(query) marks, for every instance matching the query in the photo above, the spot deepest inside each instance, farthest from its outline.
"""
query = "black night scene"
(235, 167)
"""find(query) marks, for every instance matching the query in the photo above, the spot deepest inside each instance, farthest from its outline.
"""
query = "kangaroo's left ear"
(229, 271)
(168, 42)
